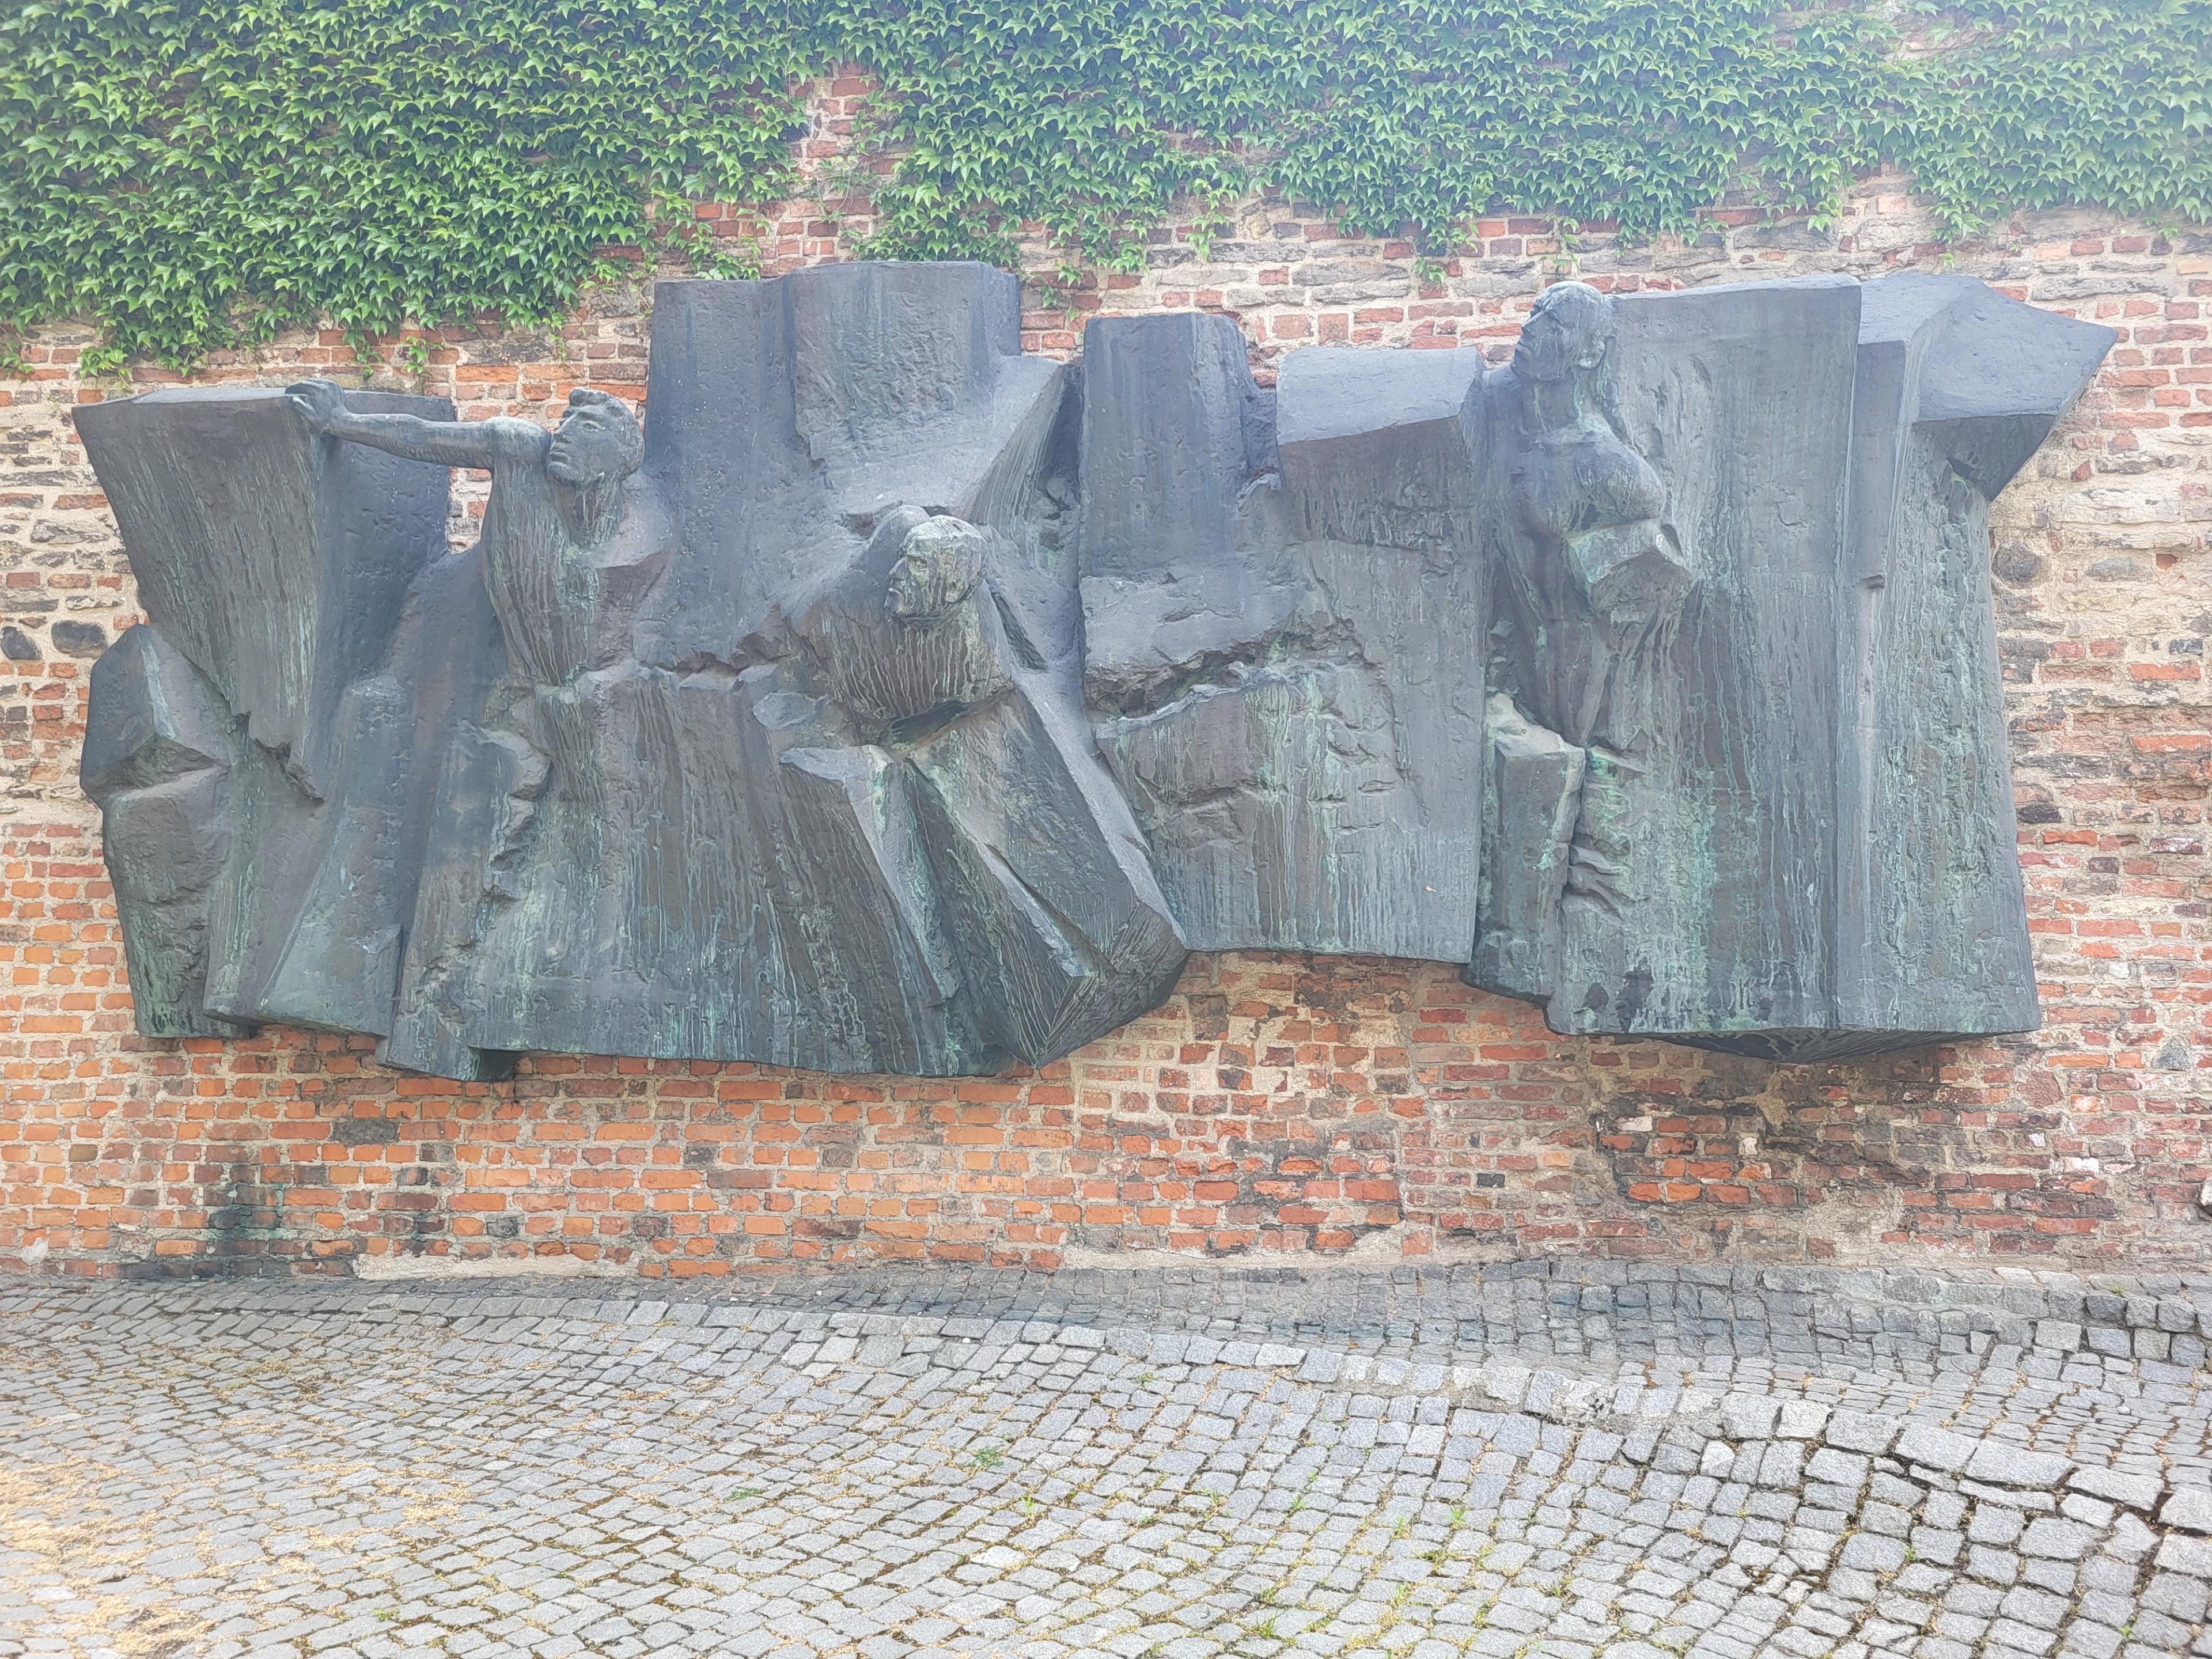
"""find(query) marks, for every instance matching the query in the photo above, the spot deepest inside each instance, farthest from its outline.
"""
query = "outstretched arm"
(443, 443)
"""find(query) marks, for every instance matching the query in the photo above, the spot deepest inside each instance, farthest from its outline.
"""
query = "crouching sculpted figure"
(889, 699)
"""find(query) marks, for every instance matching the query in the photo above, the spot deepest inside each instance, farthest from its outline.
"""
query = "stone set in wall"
(1272, 1103)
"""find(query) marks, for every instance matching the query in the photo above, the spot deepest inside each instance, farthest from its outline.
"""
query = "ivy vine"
(195, 174)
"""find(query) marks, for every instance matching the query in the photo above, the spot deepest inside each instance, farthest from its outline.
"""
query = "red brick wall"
(1276, 1104)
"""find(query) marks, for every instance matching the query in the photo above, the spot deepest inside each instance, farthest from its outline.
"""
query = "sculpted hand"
(322, 402)
(1633, 574)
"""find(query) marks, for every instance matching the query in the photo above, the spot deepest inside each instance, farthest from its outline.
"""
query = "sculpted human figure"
(554, 528)
(1609, 564)
(1036, 865)
(912, 633)
(572, 539)
(1608, 580)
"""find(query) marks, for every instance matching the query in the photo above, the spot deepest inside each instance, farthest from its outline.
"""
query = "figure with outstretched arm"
(557, 501)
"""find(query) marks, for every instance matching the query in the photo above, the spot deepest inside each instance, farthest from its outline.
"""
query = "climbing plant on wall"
(2039, 103)
(196, 173)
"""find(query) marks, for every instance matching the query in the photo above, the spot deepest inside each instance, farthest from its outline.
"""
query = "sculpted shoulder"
(516, 439)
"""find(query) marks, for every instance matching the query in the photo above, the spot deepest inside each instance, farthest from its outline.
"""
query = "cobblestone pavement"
(1562, 1460)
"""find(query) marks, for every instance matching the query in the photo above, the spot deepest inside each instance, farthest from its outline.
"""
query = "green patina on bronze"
(894, 700)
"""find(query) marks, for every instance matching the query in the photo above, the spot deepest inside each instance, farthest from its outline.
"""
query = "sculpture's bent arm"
(442, 443)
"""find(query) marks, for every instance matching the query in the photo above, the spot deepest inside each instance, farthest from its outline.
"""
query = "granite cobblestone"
(1579, 1460)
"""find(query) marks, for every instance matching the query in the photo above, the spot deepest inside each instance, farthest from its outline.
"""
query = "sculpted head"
(597, 442)
(1568, 333)
(939, 563)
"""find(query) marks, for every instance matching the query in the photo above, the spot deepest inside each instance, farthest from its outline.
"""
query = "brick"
(1428, 1117)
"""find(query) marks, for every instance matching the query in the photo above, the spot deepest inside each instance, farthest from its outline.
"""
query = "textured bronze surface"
(896, 702)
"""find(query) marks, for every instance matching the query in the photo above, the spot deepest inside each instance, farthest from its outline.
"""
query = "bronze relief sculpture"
(892, 701)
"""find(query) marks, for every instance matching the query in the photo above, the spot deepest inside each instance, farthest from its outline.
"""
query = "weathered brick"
(1274, 1103)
